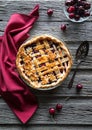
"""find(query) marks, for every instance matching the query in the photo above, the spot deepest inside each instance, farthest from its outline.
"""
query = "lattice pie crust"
(43, 62)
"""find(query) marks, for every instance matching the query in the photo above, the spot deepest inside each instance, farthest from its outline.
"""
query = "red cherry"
(63, 27)
(49, 12)
(77, 17)
(69, 2)
(59, 107)
(71, 15)
(86, 14)
(71, 9)
(87, 5)
(52, 111)
(81, 10)
(79, 2)
(79, 87)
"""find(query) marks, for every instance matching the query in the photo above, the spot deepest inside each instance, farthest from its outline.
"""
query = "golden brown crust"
(45, 63)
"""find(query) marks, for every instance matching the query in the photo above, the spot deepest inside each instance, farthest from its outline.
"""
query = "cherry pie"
(43, 62)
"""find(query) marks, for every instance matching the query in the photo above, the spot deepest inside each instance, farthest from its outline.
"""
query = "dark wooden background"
(77, 111)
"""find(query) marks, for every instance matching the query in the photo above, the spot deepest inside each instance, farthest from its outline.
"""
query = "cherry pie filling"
(44, 62)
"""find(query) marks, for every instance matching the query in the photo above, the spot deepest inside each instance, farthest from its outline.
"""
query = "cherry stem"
(66, 99)
(53, 119)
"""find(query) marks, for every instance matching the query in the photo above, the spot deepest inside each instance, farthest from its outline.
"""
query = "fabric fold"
(13, 90)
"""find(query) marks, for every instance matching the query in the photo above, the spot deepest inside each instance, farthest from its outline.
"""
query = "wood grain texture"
(53, 28)
(77, 111)
(44, 127)
(7, 7)
(72, 113)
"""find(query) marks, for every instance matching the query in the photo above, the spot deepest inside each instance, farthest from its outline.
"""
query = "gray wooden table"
(77, 111)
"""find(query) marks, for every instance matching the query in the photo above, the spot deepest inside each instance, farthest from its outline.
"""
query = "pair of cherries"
(59, 107)
(52, 110)
(50, 13)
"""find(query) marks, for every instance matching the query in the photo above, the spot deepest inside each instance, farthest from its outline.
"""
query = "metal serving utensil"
(80, 56)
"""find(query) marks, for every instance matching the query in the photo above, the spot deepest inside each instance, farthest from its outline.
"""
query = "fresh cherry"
(59, 107)
(79, 87)
(86, 14)
(69, 2)
(63, 27)
(77, 17)
(49, 12)
(81, 10)
(87, 5)
(71, 15)
(52, 111)
(71, 9)
(80, 3)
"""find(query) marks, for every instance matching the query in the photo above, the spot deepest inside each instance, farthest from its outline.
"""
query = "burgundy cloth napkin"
(13, 90)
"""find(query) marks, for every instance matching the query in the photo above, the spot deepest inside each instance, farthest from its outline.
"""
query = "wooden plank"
(74, 112)
(44, 127)
(8, 7)
(12, 127)
(74, 32)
